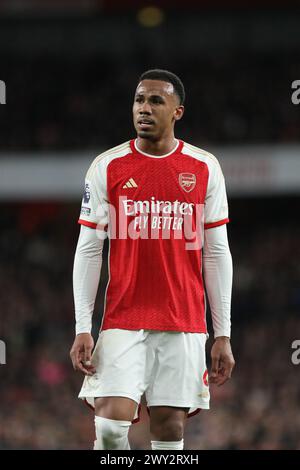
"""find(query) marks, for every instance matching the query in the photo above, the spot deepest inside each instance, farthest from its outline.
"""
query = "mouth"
(145, 123)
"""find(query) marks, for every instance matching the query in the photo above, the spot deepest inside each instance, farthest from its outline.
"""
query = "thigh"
(160, 414)
(119, 408)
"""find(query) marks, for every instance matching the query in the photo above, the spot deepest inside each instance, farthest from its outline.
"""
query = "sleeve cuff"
(87, 223)
(223, 333)
(93, 225)
(216, 224)
(82, 329)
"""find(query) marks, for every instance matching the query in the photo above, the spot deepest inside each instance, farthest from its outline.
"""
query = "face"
(156, 108)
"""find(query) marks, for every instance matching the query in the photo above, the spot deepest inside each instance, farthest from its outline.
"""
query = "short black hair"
(166, 76)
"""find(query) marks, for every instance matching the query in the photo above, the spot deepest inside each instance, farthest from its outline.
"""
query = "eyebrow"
(151, 96)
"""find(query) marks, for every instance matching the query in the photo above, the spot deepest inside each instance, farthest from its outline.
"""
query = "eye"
(138, 99)
(157, 100)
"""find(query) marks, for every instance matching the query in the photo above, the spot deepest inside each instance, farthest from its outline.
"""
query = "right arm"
(87, 264)
(86, 276)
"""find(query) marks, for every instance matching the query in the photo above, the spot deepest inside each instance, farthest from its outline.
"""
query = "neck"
(159, 147)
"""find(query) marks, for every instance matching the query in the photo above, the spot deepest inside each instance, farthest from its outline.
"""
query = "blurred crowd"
(66, 104)
(257, 409)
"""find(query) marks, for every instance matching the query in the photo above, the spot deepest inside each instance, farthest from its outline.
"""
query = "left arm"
(217, 273)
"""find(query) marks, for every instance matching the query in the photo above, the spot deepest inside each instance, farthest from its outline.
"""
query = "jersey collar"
(135, 149)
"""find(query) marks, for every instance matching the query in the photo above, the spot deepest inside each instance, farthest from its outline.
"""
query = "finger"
(79, 362)
(85, 366)
(225, 373)
(77, 357)
(214, 367)
(84, 369)
(87, 355)
(90, 368)
(228, 367)
(74, 354)
(87, 363)
(221, 381)
(81, 357)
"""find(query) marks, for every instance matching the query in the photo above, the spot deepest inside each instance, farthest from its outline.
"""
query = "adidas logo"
(130, 184)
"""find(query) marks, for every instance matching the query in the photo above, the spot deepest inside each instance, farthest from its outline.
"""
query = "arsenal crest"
(187, 181)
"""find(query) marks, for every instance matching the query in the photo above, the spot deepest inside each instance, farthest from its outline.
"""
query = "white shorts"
(169, 367)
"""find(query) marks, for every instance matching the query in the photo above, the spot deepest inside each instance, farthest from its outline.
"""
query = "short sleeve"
(216, 205)
(94, 206)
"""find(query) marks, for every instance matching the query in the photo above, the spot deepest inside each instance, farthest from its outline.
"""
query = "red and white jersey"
(150, 206)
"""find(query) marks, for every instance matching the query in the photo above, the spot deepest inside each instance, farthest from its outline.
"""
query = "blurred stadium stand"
(70, 80)
(70, 73)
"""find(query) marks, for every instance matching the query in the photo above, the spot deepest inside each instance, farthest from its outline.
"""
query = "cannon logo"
(205, 378)
(2, 352)
(2, 92)
(187, 181)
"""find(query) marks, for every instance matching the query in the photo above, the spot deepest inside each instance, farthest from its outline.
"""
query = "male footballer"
(162, 203)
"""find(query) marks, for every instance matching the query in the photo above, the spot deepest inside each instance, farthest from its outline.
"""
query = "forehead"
(155, 87)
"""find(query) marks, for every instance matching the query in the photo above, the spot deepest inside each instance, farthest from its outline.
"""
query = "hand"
(81, 353)
(222, 361)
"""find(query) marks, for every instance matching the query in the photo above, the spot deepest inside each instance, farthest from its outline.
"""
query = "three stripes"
(130, 184)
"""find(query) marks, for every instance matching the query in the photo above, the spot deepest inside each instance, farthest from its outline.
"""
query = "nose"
(145, 108)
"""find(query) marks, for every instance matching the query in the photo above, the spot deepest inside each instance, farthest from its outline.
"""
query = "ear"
(178, 113)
